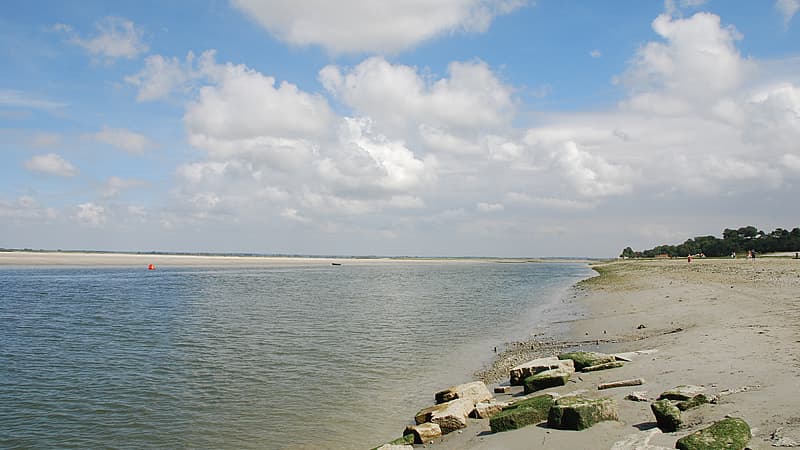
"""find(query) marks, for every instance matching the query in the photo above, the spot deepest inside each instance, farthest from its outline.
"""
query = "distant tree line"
(740, 240)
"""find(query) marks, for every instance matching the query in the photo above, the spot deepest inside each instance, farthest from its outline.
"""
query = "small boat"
(336, 264)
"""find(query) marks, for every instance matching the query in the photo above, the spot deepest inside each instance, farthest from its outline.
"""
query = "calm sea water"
(308, 356)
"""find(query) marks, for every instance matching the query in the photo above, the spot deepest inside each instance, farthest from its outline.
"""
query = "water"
(301, 356)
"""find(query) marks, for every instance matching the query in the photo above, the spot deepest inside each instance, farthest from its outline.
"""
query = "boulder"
(587, 359)
(453, 415)
(579, 413)
(638, 396)
(487, 410)
(693, 402)
(603, 366)
(518, 374)
(668, 416)
(728, 434)
(680, 393)
(423, 433)
(546, 379)
(522, 413)
(475, 392)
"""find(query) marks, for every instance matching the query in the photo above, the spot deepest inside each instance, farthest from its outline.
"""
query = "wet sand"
(731, 326)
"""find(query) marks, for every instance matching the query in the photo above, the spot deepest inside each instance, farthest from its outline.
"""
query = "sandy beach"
(730, 326)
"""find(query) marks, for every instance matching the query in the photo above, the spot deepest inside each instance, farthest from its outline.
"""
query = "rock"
(586, 359)
(668, 416)
(487, 410)
(728, 434)
(546, 379)
(453, 415)
(777, 439)
(518, 374)
(522, 413)
(638, 396)
(403, 443)
(423, 433)
(424, 415)
(680, 393)
(475, 392)
(603, 366)
(502, 390)
(694, 402)
(638, 441)
(579, 413)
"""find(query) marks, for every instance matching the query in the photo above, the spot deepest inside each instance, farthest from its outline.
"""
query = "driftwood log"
(622, 383)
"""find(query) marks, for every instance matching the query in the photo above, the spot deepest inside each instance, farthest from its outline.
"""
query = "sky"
(413, 127)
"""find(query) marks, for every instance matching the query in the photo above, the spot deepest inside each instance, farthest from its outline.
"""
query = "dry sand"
(727, 325)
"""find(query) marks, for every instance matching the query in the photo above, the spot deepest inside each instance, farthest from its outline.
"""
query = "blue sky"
(424, 127)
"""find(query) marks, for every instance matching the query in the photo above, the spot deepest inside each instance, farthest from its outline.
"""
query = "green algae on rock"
(727, 434)
(546, 379)
(668, 416)
(694, 402)
(587, 359)
(579, 413)
(522, 413)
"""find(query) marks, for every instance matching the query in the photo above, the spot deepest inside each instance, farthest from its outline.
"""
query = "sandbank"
(110, 259)
(730, 326)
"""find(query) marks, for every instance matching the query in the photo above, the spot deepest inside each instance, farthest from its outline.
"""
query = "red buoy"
(151, 267)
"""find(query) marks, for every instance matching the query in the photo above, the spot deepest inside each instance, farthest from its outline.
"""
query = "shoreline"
(729, 326)
(23, 258)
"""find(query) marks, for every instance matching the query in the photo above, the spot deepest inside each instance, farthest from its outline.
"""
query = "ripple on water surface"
(278, 357)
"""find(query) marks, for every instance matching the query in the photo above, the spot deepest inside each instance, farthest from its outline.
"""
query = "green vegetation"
(544, 380)
(694, 402)
(727, 434)
(520, 414)
(740, 241)
(587, 359)
(579, 413)
(668, 416)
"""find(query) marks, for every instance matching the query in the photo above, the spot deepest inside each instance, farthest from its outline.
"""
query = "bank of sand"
(732, 326)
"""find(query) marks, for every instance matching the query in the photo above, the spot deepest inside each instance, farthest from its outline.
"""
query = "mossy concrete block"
(603, 366)
(693, 402)
(587, 359)
(422, 433)
(681, 393)
(522, 413)
(475, 391)
(518, 373)
(546, 379)
(727, 434)
(668, 416)
(579, 413)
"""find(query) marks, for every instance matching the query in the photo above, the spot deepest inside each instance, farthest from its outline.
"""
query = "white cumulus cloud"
(365, 26)
(398, 96)
(52, 164)
(115, 37)
(787, 8)
(91, 214)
